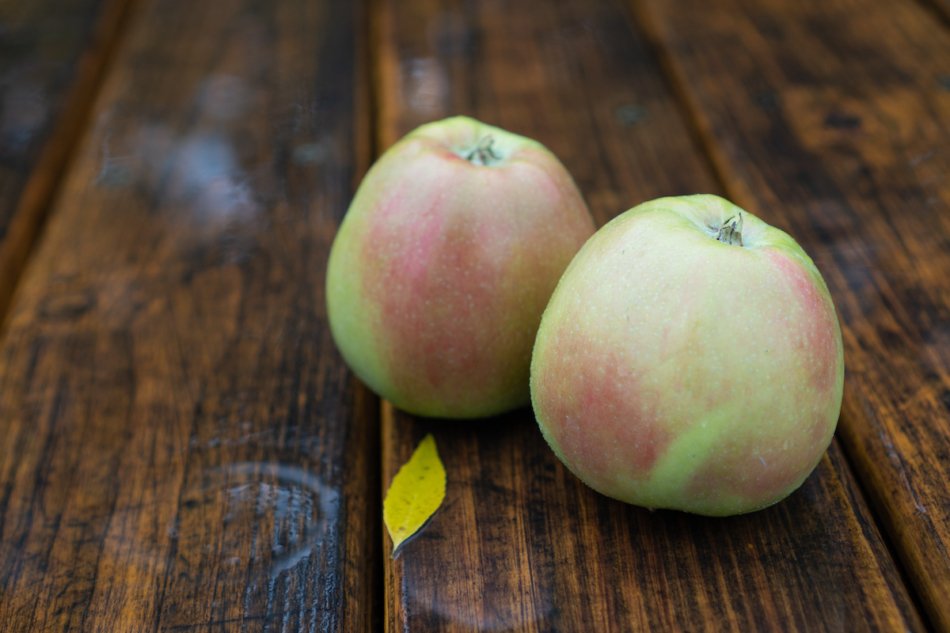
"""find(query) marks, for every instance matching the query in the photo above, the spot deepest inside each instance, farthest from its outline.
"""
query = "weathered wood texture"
(831, 118)
(51, 58)
(520, 544)
(180, 446)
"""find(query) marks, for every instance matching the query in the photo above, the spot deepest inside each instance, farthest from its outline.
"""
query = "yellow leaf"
(415, 493)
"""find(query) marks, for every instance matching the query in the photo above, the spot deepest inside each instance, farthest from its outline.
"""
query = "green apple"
(690, 358)
(444, 263)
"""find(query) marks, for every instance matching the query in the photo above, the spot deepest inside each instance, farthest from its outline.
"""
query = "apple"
(444, 263)
(690, 358)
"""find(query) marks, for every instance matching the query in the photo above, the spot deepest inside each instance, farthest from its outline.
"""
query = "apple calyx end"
(483, 153)
(730, 232)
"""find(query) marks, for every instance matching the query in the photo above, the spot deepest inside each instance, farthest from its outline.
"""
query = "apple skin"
(443, 265)
(673, 370)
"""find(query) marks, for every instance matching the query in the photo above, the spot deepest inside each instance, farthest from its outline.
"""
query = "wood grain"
(52, 55)
(520, 544)
(832, 120)
(181, 448)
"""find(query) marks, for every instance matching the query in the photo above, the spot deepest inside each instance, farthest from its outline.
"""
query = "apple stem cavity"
(484, 153)
(731, 231)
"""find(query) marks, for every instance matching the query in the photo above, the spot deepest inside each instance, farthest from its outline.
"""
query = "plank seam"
(367, 132)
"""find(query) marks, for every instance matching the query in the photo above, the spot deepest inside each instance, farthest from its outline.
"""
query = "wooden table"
(183, 449)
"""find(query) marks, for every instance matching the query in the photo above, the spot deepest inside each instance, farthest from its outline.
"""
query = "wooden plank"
(832, 118)
(520, 544)
(180, 446)
(51, 58)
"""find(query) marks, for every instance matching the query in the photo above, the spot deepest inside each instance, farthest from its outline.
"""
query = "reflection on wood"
(180, 445)
(52, 55)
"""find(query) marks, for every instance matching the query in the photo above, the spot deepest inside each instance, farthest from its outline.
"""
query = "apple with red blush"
(690, 358)
(444, 262)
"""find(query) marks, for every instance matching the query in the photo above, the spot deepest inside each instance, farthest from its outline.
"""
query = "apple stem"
(731, 231)
(483, 154)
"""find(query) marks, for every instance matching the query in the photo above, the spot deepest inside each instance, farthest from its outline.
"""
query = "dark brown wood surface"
(51, 58)
(181, 448)
(941, 7)
(844, 140)
(520, 543)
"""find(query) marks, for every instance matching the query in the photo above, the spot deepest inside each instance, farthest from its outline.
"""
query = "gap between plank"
(368, 133)
(367, 130)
